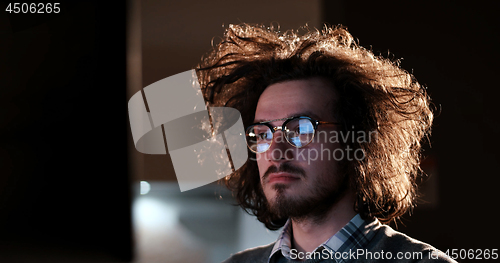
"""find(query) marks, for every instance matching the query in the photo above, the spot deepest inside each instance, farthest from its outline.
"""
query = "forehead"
(311, 97)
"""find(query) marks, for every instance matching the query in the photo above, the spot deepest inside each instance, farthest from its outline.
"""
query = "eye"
(300, 126)
(260, 133)
(300, 132)
(261, 136)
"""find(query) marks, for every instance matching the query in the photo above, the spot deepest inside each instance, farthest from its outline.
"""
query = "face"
(300, 182)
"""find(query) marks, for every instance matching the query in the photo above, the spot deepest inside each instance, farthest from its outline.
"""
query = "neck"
(310, 232)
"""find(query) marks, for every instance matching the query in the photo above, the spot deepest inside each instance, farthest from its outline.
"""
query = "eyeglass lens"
(298, 132)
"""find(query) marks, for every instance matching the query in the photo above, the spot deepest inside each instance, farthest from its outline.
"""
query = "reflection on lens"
(299, 132)
(262, 147)
(259, 138)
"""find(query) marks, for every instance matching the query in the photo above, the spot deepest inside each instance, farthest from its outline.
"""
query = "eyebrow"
(303, 113)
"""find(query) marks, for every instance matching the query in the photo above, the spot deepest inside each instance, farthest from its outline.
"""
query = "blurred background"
(74, 189)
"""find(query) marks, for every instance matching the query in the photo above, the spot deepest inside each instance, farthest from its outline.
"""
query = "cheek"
(317, 153)
(261, 164)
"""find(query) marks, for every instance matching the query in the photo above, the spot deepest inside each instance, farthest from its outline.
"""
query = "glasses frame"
(281, 127)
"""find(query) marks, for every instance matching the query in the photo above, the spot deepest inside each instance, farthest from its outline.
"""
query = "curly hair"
(375, 95)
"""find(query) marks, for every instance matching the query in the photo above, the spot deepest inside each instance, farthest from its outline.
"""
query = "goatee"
(313, 207)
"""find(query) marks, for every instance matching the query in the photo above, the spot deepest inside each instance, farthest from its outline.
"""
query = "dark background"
(64, 182)
(64, 179)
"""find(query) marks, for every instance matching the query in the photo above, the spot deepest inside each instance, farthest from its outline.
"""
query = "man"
(334, 137)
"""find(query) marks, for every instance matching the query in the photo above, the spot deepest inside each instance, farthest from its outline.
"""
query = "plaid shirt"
(355, 235)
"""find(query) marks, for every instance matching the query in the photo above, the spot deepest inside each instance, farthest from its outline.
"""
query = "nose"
(280, 150)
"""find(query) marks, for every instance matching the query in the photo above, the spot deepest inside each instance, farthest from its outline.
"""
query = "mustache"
(284, 168)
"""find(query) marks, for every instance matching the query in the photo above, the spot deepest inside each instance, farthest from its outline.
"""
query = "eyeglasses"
(298, 131)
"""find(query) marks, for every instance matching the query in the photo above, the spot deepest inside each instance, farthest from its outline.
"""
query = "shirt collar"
(355, 234)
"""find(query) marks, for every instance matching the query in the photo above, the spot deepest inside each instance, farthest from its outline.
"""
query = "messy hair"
(374, 95)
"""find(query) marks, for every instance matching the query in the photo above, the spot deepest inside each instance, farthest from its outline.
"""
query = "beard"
(314, 206)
